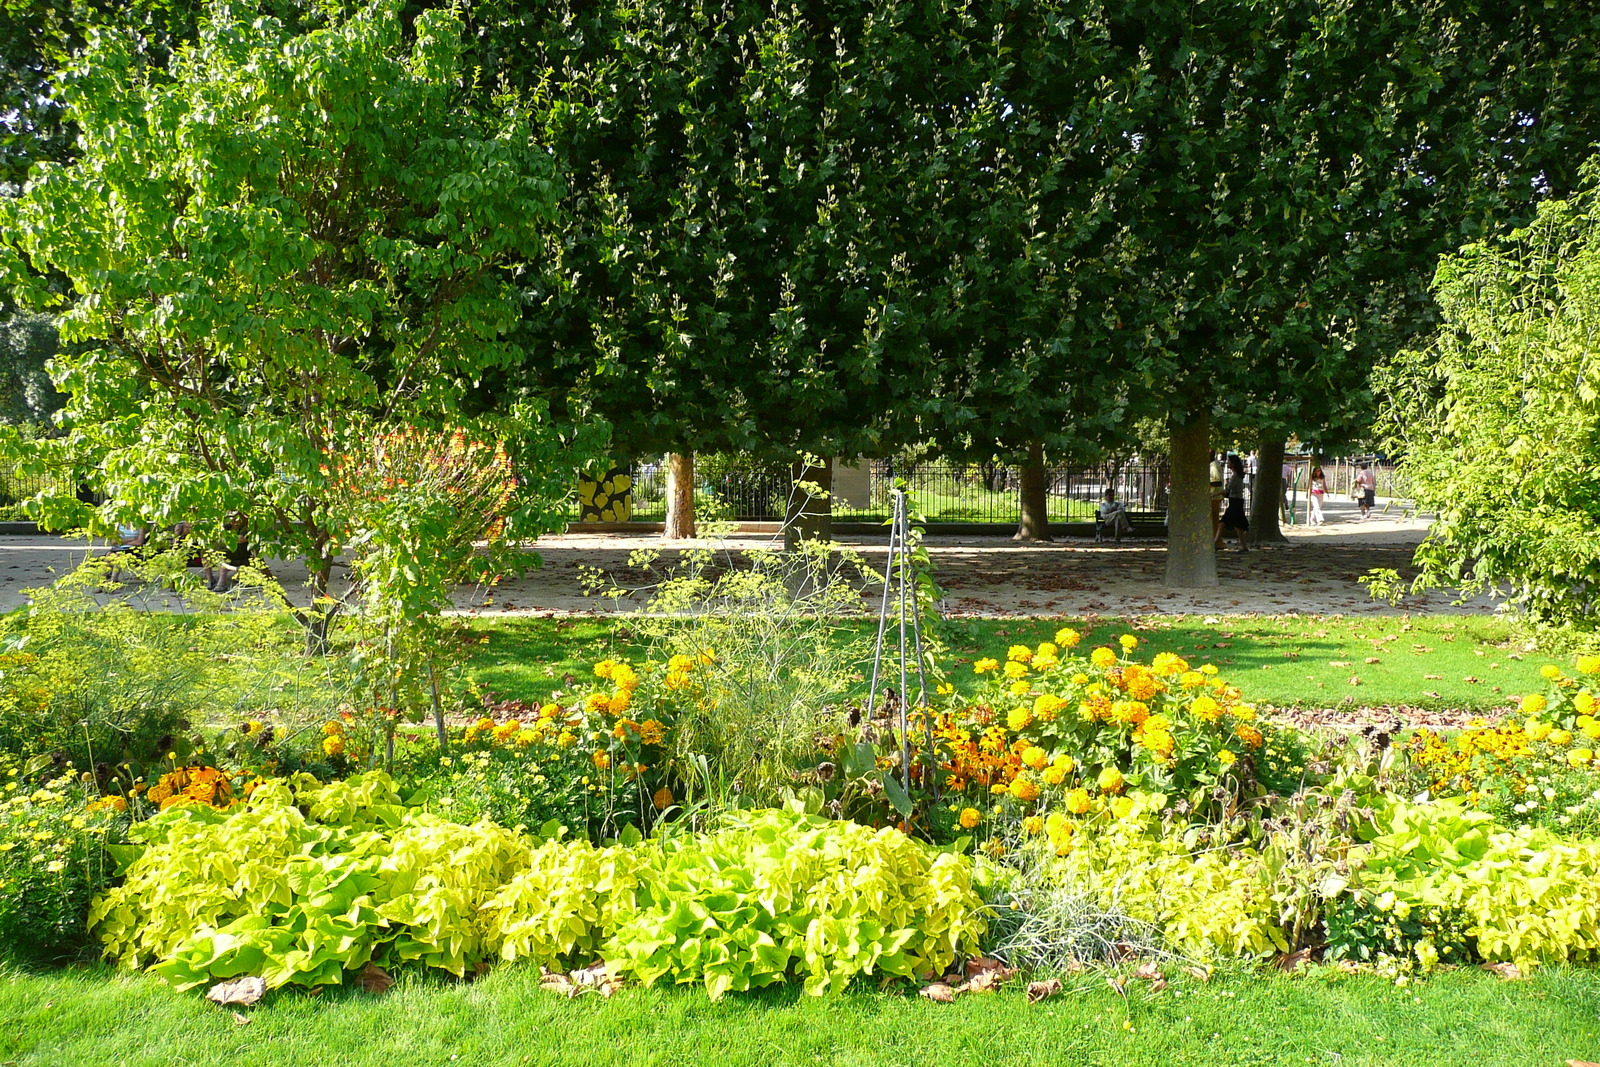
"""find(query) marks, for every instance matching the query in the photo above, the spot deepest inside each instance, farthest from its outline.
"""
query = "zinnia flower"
(1019, 718)
(1109, 781)
(1533, 704)
(1589, 664)
(1067, 637)
(1035, 757)
(1019, 654)
(1103, 657)
(983, 666)
(1128, 642)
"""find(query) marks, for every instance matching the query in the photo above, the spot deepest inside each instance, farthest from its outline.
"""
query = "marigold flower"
(1248, 734)
(652, 732)
(999, 789)
(662, 798)
(984, 666)
(970, 818)
(1533, 704)
(1103, 657)
(1043, 662)
(1025, 789)
(1019, 654)
(526, 738)
(1035, 757)
(604, 668)
(548, 711)
(1033, 825)
(1537, 729)
(1054, 775)
(1578, 757)
(680, 663)
(506, 730)
(1019, 718)
(1591, 730)
(1047, 707)
(331, 728)
(1067, 637)
(1191, 679)
(602, 760)
(333, 744)
(1560, 737)
(1080, 679)
(1110, 780)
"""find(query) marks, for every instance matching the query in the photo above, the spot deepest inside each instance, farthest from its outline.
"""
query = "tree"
(280, 247)
(1500, 416)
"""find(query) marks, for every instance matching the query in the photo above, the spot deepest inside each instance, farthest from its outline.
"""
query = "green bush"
(53, 860)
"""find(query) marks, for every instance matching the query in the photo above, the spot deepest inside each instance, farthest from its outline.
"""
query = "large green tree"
(281, 245)
(1499, 418)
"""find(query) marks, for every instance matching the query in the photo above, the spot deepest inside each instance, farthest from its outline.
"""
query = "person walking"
(1316, 488)
(1234, 517)
(1218, 474)
(1366, 489)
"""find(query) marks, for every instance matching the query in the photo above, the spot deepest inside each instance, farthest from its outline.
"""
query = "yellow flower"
(333, 744)
(1025, 789)
(526, 738)
(1019, 654)
(619, 702)
(1226, 757)
(1044, 662)
(1019, 688)
(945, 689)
(1167, 664)
(625, 677)
(328, 730)
(1537, 730)
(1109, 781)
(970, 818)
(1585, 703)
(1019, 718)
(1191, 679)
(548, 711)
(1208, 669)
(604, 668)
(1592, 730)
(506, 730)
(983, 666)
(1248, 734)
(1033, 825)
(1080, 678)
(662, 798)
(1035, 757)
(1046, 648)
(1579, 756)
(680, 663)
(652, 732)
(1550, 672)
(1128, 642)
(1103, 657)
(1047, 707)
(999, 789)
(1054, 775)
(602, 760)
(1014, 669)
(1589, 664)
(1067, 637)
(1560, 737)
(1533, 704)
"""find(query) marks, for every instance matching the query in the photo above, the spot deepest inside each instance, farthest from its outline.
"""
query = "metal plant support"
(898, 580)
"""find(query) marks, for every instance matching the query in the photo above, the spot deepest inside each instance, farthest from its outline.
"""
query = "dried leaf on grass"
(1199, 974)
(939, 992)
(240, 1020)
(245, 990)
(1290, 962)
(981, 965)
(374, 979)
(591, 979)
(1149, 970)
(1508, 971)
(987, 982)
(1118, 984)
(1038, 991)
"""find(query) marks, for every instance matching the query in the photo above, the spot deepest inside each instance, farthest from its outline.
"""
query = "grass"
(1462, 662)
(94, 1017)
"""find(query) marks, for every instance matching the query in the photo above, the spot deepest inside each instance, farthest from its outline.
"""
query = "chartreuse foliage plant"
(310, 881)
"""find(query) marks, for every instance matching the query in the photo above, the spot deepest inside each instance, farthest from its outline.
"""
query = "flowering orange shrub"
(1068, 728)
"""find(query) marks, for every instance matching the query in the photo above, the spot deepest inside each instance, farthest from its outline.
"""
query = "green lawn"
(1464, 662)
(1468, 1018)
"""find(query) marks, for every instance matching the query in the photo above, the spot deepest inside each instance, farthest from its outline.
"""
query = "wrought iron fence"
(941, 491)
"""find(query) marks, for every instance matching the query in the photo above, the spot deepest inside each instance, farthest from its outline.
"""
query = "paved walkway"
(1314, 573)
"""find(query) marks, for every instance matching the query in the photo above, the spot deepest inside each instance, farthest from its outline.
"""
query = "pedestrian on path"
(1234, 518)
(1316, 488)
(1366, 490)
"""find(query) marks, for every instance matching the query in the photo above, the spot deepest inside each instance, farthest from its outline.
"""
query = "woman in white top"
(1317, 486)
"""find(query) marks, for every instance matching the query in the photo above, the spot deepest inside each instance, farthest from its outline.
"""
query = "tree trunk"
(1268, 494)
(317, 620)
(680, 496)
(1034, 524)
(809, 516)
(1191, 557)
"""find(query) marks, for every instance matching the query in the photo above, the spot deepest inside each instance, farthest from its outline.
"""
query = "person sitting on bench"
(1112, 518)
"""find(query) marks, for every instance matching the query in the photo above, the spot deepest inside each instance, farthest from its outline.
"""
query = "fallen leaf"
(1469, 678)
(245, 990)
(1149, 970)
(1037, 991)
(240, 1020)
(373, 979)
(1291, 962)
(980, 965)
(1118, 984)
(1338, 663)
(1158, 985)
(1433, 677)
(1199, 974)
(987, 982)
(938, 992)
(1355, 680)
(1508, 971)
(1373, 659)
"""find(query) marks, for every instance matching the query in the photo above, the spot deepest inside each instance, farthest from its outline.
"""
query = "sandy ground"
(1314, 573)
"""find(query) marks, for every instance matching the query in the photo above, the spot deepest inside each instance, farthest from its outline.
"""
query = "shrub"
(310, 881)
(53, 859)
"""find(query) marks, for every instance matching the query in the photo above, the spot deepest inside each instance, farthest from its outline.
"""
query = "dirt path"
(1314, 573)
